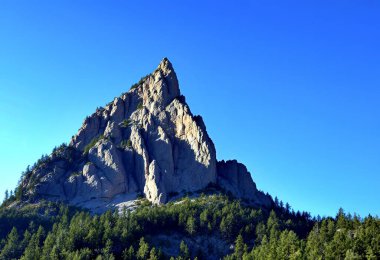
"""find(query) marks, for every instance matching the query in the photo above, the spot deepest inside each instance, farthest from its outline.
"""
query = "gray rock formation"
(145, 141)
(235, 178)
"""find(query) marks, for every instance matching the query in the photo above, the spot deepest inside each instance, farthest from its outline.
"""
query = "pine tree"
(128, 254)
(143, 251)
(288, 245)
(203, 217)
(184, 250)
(107, 250)
(314, 247)
(48, 246)
(54, 253)
(191, 225)
(6, 196)
(11, 248)
(240, 247)
(25, 240)
(33, 250)
(153, 254)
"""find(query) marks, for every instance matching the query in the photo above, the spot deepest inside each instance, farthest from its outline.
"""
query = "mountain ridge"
(146, 141)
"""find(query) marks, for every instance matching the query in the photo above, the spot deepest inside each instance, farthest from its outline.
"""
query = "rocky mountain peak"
(145, 141)
(166, 68)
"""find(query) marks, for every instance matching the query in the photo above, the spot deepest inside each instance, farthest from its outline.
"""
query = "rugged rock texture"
(235, 178)
(145, 141)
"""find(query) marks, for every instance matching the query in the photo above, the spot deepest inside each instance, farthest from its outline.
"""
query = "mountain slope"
(147, 142)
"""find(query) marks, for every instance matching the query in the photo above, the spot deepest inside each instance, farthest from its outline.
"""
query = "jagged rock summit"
(146, 141)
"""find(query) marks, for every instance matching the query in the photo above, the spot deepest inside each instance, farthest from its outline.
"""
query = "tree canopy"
(235, 231)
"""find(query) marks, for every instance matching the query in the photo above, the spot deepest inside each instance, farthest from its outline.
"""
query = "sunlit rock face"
(147, 142)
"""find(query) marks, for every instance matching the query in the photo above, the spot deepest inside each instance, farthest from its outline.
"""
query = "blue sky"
(289, 88)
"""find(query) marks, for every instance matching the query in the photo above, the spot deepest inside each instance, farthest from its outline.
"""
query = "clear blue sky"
(290, 88)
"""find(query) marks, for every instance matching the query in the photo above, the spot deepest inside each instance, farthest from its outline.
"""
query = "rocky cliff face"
(145, 141)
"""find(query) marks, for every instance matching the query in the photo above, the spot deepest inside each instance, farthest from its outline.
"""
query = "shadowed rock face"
(235, 178)
(145, 141)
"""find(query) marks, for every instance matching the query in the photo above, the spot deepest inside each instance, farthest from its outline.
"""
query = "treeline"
(342, 237)
(55, 231)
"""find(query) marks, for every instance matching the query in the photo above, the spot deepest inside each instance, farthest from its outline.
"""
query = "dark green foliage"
(143, 251)
(191, 226)
(126, 122)
(126, 144)
(140, 82)
(92, 143)
(140, 105)
(184, 250)
(240, 247)
(74, 174)
(6, 195)
(11, 248)
(52, 231)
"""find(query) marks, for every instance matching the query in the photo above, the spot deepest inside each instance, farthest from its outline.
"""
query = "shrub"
(126, 122)
(126, 144)
(139, 83)
(76, 173)
(92, 143)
